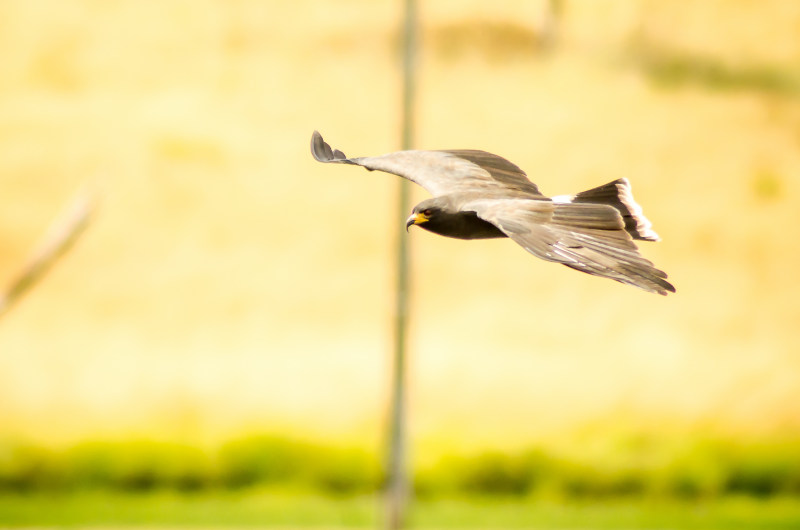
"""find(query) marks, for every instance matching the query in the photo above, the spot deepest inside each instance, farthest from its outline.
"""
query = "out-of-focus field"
(230, 285)
(259, 510)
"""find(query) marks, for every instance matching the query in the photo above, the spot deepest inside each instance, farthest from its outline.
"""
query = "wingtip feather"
(322, 152)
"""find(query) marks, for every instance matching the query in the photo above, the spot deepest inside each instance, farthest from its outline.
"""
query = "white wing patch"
(562, 199)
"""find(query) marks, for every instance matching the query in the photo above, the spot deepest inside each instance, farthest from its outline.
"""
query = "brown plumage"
(478, 195)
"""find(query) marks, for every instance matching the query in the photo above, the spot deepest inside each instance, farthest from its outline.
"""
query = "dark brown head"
(430, 213)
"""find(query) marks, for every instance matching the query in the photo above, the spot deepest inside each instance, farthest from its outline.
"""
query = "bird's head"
(425, 212)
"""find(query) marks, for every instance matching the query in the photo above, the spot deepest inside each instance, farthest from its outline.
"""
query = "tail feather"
(618, 194)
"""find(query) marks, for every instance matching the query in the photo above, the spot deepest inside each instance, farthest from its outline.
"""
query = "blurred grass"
(146, 465)
(274, 508)
(673, 69)
(231, 509)
(697, 469)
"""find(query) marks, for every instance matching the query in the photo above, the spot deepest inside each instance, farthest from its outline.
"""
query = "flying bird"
(479, 195)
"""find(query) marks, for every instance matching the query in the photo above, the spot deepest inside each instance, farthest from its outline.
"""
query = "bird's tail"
(618, 194)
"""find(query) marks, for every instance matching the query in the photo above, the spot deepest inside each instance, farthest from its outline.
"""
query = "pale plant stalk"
(397, 494)
(61, 235)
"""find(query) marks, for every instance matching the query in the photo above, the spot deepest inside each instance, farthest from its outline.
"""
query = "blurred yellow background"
(229, 284)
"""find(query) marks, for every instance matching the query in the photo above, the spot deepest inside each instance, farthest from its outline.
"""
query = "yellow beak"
(416, 219)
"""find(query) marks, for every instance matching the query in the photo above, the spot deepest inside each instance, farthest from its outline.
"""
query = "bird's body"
(478, 195)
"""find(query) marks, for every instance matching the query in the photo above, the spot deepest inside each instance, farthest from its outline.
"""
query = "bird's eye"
(427, 212)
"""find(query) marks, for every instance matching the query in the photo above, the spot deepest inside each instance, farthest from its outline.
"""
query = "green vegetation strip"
(691, 471)
(258, 508)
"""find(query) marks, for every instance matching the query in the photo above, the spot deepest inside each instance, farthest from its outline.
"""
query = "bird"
(480, 195)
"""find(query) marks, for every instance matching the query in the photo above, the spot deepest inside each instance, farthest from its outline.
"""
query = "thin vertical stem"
(397, 472)
(409, 73)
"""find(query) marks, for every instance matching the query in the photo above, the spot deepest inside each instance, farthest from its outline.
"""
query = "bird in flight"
(478, 195)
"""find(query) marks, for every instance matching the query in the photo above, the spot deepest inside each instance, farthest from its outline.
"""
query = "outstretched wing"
(441, 172)
(587, 237)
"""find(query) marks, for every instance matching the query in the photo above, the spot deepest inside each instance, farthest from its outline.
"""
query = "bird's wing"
(440, 172)
(587, 237)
